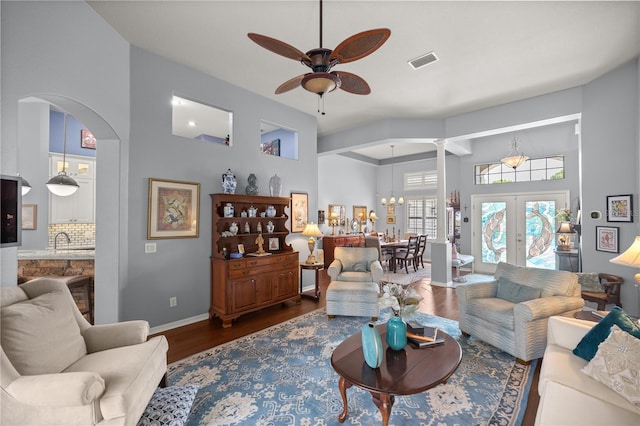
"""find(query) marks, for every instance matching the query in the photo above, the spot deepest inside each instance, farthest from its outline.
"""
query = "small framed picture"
(391, 209)
(87, 140)
(607, 239)
(241, 248)
(29, 216)
(274, 244)
(620, 208)
(299, 211)
(391, 220)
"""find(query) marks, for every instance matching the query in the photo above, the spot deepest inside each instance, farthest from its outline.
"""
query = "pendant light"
(392, 199)
(515, 158)
(26, 186)
(62, 185)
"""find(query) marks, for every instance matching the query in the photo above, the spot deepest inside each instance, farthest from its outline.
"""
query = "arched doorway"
(110, 211)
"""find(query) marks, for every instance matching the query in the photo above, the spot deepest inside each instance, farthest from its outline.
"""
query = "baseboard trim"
(180, 323)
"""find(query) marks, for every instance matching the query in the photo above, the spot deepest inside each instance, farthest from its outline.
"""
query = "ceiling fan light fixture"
(321, 82)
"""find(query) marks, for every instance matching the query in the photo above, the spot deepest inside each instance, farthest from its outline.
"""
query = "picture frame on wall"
(274, 244)
(174, 209)
(340, 211)
(607, 239)
(620, 208)
(360, 214)
(87, 140)
(29, 216)
(299, 211)
(391, 209)
(391, 220)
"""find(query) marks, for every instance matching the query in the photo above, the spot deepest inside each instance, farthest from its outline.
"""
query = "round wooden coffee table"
(404, 372)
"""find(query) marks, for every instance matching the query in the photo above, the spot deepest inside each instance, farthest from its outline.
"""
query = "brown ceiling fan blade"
(279, 47)
(353, 84)
(290, 84)
(360, 45)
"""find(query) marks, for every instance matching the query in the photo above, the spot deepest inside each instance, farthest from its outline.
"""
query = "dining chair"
(405, 256)
(422, 244)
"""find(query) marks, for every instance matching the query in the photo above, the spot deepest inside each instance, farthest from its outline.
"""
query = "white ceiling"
(490, 53)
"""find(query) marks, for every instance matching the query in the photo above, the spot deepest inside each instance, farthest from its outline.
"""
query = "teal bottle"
(372, 345)
(396, 333)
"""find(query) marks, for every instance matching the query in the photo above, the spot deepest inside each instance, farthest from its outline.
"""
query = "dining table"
(393, 246)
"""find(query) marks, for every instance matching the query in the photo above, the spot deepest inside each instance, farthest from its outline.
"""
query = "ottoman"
(355, 299)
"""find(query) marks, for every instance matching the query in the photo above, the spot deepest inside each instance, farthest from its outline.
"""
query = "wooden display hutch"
(249, 283)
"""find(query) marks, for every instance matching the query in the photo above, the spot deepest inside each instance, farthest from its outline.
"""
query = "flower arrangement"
(403, 299)
(563, 215)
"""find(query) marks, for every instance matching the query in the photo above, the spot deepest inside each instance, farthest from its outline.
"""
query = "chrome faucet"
(55, 239)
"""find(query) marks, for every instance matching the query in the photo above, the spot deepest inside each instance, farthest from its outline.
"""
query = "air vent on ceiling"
(423, 61)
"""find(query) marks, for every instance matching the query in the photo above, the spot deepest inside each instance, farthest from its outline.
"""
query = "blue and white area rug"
(283, 376)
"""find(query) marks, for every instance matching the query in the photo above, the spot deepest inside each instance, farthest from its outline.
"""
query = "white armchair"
(355, 264)
(511, 312)
(56, 368)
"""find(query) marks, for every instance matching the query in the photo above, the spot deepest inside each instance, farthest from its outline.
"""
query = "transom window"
(546, 168)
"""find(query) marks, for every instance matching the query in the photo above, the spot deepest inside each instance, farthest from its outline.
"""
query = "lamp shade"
(62, 185)
(311, 230)
(631, 256)
(26, 187)
(565, 228)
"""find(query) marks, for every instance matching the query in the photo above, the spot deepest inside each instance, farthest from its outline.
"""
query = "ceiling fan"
(322, 80)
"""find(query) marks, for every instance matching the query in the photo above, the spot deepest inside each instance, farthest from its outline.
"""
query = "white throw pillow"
(41, 335)
(617, 364)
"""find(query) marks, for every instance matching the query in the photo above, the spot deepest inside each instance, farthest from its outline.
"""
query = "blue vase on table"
(372, 345)
(396, 333)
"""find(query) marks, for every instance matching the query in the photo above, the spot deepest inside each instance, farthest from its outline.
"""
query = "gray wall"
(180, 268)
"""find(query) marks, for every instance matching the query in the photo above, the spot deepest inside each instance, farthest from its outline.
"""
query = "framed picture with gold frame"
(30, 216)
(174, 209)
(391, 220)
(360, 213)
(340, 211)
(299, 211)
(391, 209)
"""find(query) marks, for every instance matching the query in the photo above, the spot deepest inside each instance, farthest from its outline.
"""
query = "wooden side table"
(316, 267)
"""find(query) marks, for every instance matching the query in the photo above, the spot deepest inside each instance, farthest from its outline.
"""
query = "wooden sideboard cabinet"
(239, 286)
(329, 242)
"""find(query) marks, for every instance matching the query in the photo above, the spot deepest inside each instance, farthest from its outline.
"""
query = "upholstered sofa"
(56, 368)
(568, 396)
(511, 312)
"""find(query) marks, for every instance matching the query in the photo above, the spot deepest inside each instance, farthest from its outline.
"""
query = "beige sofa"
(57, 369)
(511, 311)
(569, 396)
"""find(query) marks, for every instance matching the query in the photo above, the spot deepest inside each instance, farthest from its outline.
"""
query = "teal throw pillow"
(590, 281)
(361, 267)
(588, 346)
(516, 293)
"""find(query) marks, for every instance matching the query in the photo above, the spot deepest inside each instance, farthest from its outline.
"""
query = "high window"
(546, 168)
(422, 215)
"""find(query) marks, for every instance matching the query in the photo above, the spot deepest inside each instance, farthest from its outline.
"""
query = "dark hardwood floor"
(197, 337)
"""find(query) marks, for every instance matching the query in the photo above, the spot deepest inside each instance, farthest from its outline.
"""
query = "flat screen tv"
(11, 202)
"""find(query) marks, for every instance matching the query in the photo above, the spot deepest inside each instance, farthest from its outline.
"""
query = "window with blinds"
(421, 180)
(422, 215)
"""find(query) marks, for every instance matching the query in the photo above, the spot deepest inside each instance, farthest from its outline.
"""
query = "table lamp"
(631, 257)
(373, 218)
(311, 230)
(564, 240)
(333, 221)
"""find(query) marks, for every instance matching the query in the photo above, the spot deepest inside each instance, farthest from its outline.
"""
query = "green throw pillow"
(590, 281)
(588, 346)
(516, 293)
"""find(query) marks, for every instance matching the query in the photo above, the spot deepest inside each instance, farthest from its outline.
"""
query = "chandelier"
(392, 199)
(515, 158)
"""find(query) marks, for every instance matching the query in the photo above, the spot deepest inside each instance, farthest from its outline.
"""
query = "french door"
(516, 228)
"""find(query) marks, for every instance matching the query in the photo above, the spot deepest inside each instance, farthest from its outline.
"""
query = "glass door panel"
(494, 232)
(539, 238)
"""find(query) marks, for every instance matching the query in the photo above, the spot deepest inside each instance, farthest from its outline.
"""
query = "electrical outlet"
(173, 302)
(150, 248)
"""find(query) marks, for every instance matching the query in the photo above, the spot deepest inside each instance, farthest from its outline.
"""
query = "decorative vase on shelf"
(270, 226)
(228, 210)
(252, 188)
(275, 186)
(396, 333)
(271, 211)
(229, 182)
(233, 228)
(372, 345)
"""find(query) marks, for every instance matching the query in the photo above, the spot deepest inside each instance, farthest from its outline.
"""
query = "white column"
(441, 248)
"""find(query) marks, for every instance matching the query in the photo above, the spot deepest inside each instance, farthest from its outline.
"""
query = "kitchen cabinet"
(249, 283)
(80, 206)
